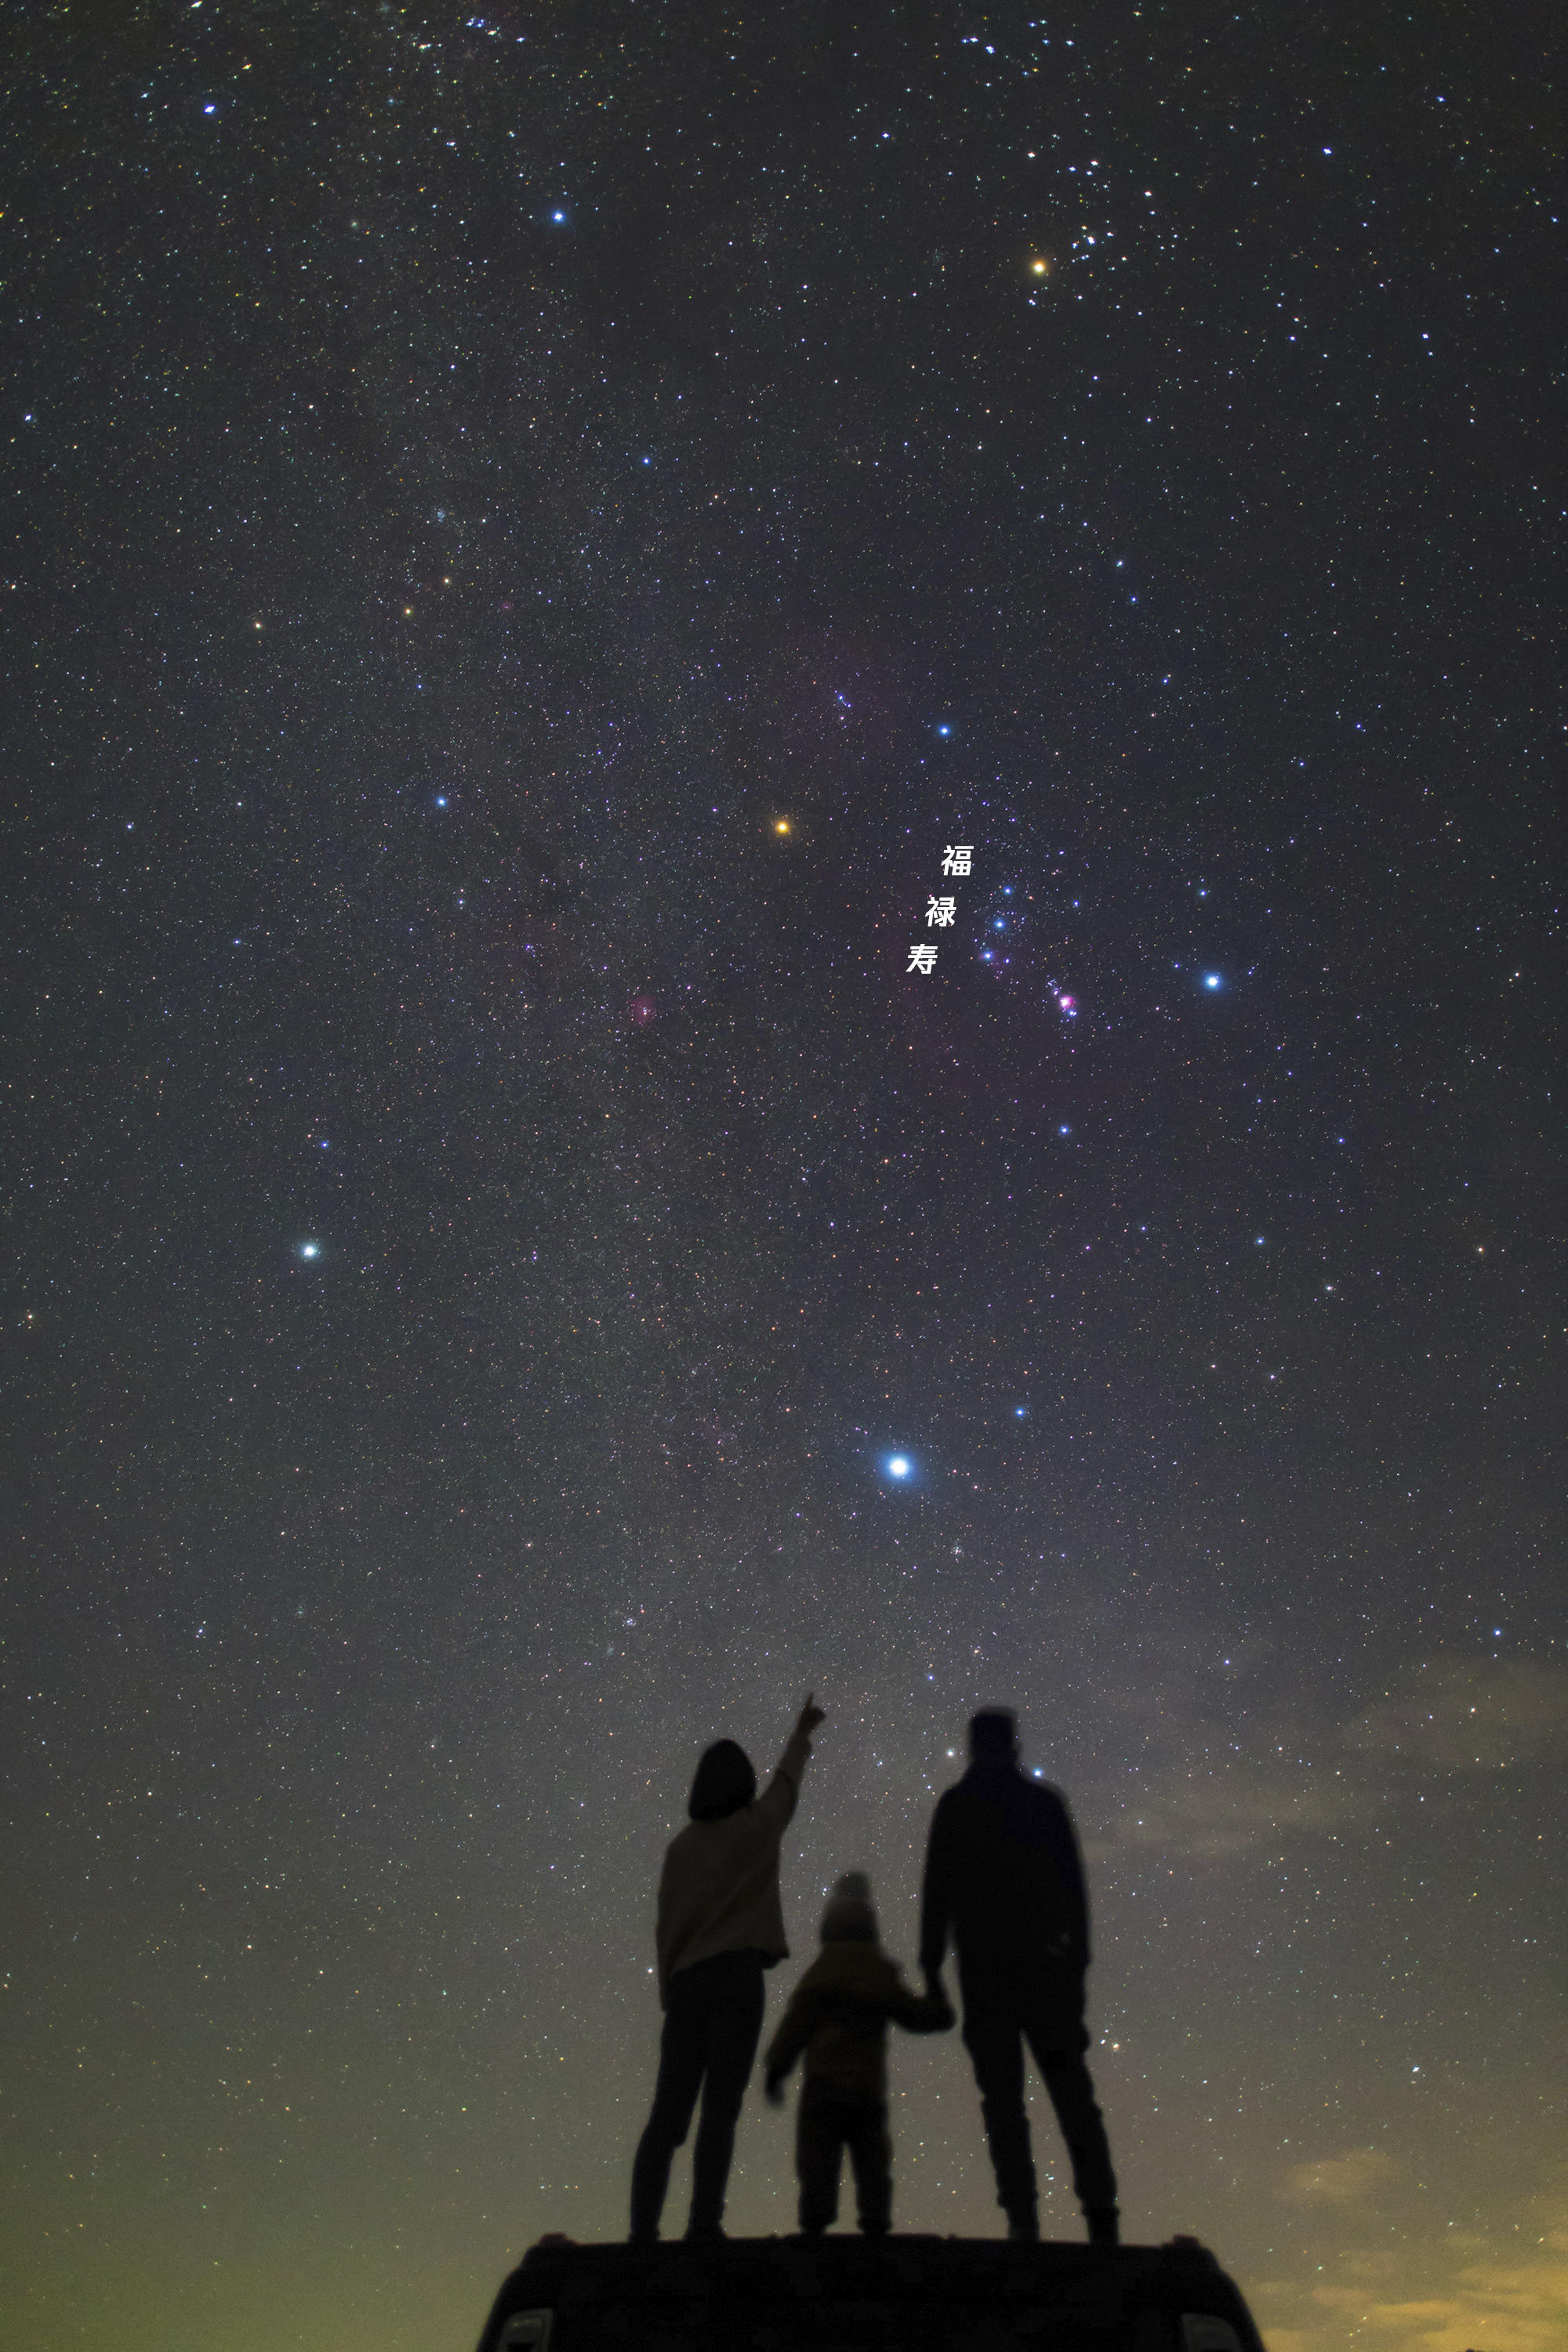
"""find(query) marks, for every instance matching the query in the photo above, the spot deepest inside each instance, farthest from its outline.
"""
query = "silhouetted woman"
(721, 1924)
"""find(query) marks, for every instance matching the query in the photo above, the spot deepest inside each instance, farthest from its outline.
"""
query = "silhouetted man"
(1004, 1876)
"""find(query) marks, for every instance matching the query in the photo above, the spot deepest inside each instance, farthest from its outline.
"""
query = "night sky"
(528, 537)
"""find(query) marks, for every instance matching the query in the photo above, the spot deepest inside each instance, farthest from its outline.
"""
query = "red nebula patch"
(640, 1010)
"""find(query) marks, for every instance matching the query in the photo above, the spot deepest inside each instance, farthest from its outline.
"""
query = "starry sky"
(530, 535)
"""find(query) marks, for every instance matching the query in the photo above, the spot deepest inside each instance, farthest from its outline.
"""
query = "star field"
(532, 536)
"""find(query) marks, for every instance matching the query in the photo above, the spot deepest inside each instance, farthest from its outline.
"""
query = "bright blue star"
(557, 217)
(1211, 980)
(944, 730)
(1064, 1130)
(1019, 1411)
(441, 800)
(998, 924)
(898, 1465)
(309, 1249)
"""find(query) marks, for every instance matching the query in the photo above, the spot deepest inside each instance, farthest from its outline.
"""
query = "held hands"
(943, 2014)
(811, 1715)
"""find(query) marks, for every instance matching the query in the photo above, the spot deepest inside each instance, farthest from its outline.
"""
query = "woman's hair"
(723, 1784)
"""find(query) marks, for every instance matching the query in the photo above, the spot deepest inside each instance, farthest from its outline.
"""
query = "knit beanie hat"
(850, 1917)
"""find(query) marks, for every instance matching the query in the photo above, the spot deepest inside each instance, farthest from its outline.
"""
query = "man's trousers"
(1000, 2015)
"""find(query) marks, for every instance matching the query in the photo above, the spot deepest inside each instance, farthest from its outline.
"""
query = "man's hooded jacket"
(1004, 1879)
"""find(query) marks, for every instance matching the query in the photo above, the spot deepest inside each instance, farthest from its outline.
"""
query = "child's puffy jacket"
(838, 2014)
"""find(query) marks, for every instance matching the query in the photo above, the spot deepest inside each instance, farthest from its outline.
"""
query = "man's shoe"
(1024, 2228)
(1104, 2225)
(704, 2233)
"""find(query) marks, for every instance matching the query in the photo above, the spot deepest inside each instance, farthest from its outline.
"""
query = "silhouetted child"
(838, 2014)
